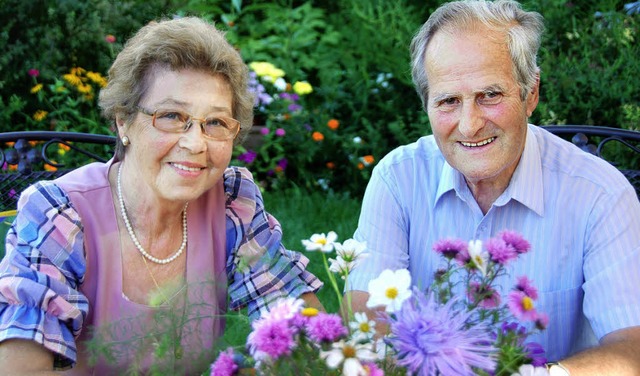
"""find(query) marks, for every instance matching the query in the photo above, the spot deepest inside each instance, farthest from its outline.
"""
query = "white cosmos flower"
(351, 250)
(363, 327)
(390, 289)
(479, 256)
(350, 354)
(321, 242)
(340, 266)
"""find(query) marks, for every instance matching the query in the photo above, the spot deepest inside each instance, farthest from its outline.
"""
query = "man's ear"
(533, 96)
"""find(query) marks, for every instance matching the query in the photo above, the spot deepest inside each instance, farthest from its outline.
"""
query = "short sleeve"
(41, 272)
(259, 268)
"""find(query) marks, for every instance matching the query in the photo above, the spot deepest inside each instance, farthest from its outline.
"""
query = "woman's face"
(177, 167)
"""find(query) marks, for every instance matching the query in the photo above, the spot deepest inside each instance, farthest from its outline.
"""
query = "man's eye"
(491, 97)
(448, 101)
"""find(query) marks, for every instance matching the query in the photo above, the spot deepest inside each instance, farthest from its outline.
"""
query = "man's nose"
(471, 120)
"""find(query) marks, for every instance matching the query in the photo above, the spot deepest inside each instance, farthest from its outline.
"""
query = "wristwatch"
(557, 369)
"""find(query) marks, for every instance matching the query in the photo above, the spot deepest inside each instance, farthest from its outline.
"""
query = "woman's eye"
(449, 101)
(215, 122)
(170, 115)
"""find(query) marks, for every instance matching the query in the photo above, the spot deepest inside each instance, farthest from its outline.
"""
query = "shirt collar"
(526, 183)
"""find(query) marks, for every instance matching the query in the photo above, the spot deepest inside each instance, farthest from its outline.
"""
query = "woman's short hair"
(523, 31)
(181, 43)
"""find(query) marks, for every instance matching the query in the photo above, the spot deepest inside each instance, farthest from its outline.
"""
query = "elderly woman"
(137, 257)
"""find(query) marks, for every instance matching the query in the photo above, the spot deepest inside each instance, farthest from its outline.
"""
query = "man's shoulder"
(423, 152)
(562, 157)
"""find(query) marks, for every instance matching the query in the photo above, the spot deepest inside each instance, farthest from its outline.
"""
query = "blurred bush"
(353, 53)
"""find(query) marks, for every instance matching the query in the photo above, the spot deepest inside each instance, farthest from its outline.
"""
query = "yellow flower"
(40, 115)
(77, 71)
(36, 88)
(302, 88)
(84, 88)
(266, 70)
(72, 79)
(97, 78)
(61, 89)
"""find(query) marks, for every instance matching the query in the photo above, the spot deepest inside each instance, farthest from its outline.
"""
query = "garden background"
(317, 148)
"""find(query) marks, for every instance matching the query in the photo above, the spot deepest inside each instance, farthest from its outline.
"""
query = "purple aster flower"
(264, 131)
(12, 193)
(293, 107)
(271, 339)
(521, 306)
(535, 352)
(449, 247)
(499, 251)
(290, 96)
(525, 285)
(430, 338)
(489, 297)
(280, 132)
(224, 365)
(515, 240)
(283, 163)
(326, 327)
(248, 157)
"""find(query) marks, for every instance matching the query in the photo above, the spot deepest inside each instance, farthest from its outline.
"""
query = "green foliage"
(55, 36)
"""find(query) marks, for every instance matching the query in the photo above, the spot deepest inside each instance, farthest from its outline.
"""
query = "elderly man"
(485, 169)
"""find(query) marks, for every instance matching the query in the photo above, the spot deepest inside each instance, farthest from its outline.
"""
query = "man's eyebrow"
(494, 87)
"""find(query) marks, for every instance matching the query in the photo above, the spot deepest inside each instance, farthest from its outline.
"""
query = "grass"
(303, 214)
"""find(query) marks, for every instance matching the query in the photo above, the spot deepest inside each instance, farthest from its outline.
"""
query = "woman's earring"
(125, 141)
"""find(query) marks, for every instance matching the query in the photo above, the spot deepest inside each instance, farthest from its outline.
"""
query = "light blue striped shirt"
(580, 214)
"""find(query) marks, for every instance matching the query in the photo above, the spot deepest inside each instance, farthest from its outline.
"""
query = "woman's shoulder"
(238, 182)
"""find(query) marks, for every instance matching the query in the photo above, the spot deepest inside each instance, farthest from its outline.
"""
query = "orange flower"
(13, 167)
(286, 116)
(317, 136)
(331, 165)
(360, 165)
(333, 124)
(368, 159)
(49, 167)
(64, 147)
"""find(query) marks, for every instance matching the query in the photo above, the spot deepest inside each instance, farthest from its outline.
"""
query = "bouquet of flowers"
(460, 325)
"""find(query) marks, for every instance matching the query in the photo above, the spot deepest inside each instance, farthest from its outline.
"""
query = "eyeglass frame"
(189, 123)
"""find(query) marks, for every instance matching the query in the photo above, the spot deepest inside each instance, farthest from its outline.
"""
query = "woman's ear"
(121, 125)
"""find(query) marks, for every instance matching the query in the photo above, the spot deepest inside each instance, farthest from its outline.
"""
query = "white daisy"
(321, 242)
(349, 354)
(363, 327)
(390, 289)
(479, 256)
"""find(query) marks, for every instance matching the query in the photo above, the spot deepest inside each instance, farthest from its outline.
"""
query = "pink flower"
(489, 298)
(224, 365)
(541, 320)
(521, 306)
(284, 309)
(34, 72)
(271, 339)
(372, 369)
(525, 285)
(325, 327)
(264, 131)
(110, 39)
(450, 248)
(499, 251)
(280, 132)
(515, 240)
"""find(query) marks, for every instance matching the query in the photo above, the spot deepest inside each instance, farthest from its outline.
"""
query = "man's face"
(478, 118)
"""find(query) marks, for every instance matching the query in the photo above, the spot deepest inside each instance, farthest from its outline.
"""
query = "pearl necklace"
(133, 235)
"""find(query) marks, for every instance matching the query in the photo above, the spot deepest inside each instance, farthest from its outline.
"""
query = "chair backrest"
(29, 156)
(620, 147)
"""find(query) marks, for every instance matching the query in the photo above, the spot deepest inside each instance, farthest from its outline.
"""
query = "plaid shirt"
(45, 263)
